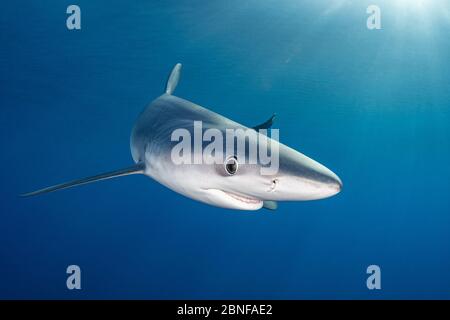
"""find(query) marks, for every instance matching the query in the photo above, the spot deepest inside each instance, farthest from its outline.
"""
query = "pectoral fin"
(267, 124)
(138, 168)
(270, 205)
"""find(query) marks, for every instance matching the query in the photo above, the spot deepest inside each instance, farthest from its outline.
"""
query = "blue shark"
(234, 184)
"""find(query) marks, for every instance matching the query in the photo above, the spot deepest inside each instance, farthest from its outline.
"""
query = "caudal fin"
(136, 169)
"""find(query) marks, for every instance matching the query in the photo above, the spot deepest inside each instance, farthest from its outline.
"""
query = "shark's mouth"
(235, 201)
(244, 199)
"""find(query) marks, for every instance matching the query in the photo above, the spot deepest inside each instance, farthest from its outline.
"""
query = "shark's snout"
(330, 184)
(308, 187)
(302, 178)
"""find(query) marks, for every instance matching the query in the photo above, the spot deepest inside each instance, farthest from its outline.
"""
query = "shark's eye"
(231, 165)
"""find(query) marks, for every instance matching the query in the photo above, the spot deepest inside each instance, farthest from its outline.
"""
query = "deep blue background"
(371, 105)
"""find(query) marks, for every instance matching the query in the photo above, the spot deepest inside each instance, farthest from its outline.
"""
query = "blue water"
(372, 105)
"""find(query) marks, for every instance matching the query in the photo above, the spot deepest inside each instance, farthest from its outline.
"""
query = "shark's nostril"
(274, 184)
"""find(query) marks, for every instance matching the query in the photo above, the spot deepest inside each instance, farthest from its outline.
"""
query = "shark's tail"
(136, 169)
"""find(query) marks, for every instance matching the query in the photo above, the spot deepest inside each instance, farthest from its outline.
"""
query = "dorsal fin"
(173, 79)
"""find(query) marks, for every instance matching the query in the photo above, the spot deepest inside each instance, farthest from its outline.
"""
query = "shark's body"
(298, 177)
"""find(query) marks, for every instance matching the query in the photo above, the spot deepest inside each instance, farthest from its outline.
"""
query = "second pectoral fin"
(267, 124)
